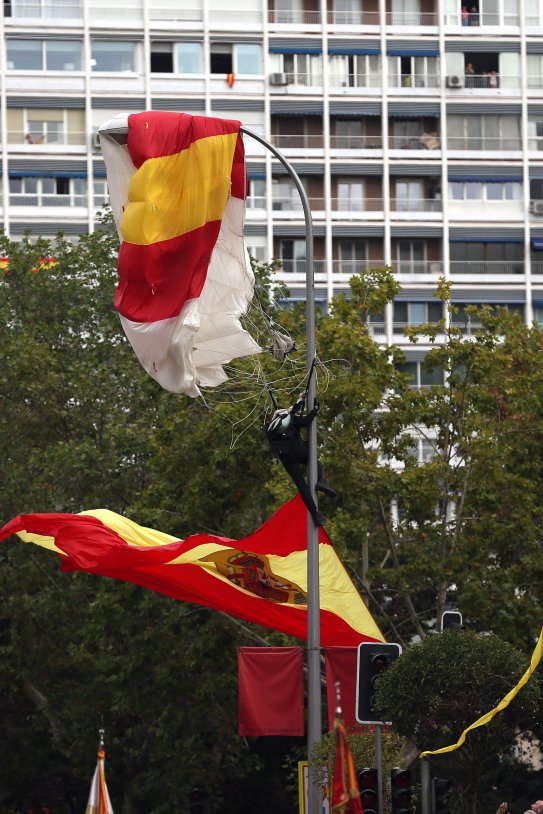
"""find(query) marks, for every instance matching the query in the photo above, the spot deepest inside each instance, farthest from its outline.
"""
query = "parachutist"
(288, 445)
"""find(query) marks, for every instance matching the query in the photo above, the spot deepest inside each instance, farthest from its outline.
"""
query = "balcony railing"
(472, 19)
(300, 142)
(414, 18)
(494, 143)
(255, 202)
(356, 142)
(299, 266)
(351, 267)
(418, 267)
(38, 140)
(491, 81)
(304, 79)
(537, 266)
(355, 17)
(486, 267)
(417, 205)
(354, 204)
(341, 80)
(414, 81)
(426, 141)
(57, 10)
(294, 16)
(22, 199)
(189, 15)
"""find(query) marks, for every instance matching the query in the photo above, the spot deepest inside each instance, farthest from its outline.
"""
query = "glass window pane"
(62, 56)
(435, 311)
(428, 377)
(188, 57)
(31, 185)
(456, 190)
(494, 192)
(249, 58)
(48, 185)
(400, 312)
(474, 191)
(25, 55)
(113, 56)
(15, 184)
(417, 313)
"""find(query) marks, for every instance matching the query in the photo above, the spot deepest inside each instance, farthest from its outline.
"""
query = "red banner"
(340, 665)
(271, 691)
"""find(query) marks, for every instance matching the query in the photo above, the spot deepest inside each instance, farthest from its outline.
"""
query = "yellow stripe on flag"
(175, 194)
(536, 658)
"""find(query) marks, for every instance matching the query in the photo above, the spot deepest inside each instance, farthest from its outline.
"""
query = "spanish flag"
(99, 802)
(178, 195)
(261, 578)
(345, 794)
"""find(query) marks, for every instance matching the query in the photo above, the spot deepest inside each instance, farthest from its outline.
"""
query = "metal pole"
(378, 744)
(425, 786)
(314, 718)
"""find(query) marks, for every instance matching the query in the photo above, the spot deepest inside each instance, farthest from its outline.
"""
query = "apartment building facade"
(416, 127)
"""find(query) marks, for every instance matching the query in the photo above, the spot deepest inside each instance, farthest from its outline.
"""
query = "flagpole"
(314, 718)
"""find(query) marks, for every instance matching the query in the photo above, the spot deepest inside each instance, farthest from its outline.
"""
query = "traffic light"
(451, 620)
(369, 791)
(373, 659)
(441, 790)
(196, 798)
(400, 791)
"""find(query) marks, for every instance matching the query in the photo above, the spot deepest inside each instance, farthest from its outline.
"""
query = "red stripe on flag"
(156, 280)
(153, 134)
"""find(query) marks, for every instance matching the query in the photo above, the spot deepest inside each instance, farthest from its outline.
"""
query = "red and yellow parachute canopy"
(177, 190)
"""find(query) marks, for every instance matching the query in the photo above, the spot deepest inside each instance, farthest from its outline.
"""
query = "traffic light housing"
(451, 620)
(400, 791)
(441, 790)
(373, 659)
(196, 801)
(368, 786)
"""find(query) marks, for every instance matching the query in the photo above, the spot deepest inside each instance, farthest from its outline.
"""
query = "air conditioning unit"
(278, 79)
(455, 81)
(536, 207)
(96, 140)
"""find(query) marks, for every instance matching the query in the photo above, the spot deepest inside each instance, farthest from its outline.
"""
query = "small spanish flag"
(99, 802)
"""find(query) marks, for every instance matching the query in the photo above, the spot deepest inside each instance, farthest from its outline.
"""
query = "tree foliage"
(82, 426)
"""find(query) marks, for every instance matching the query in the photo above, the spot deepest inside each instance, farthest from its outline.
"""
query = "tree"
(451, 680)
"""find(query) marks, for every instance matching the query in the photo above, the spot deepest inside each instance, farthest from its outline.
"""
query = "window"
(100, 192)
(189, 57)
(409, 195)
(347, 12)
(353, 256)
(301, 69)
(416, 313)
(30, 191)
(43, 131)
(420, 375)
(485, 190)
(487, 257)
(538, 314)
(471, 323)
(349, 134)
(248, 58)
(68, 9)
(24, 55)
(413, 72)
(293, 256)
(62, 55)
(476, 132)
(350, 195)
(221, 59)
(113, 56)
(256, 198)
(355, 70)
(535, 134)
(162, 57)
(285, 196)
(411, 256)
(49, 55)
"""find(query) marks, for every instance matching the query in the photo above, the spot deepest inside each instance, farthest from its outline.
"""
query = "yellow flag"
(536, 658)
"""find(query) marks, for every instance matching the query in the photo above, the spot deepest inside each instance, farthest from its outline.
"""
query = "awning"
(411, 52)
(472, 179)
(349, 51)
(537, 244)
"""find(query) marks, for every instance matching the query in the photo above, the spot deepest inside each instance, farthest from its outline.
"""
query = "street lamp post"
(314, 725)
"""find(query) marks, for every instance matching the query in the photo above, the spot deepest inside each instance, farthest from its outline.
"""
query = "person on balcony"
(464, 14)
(470, 75)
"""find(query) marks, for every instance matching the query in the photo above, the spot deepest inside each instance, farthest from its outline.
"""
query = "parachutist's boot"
(325, 488)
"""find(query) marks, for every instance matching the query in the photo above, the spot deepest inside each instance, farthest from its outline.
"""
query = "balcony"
(177, 15)
(426, 141)
(488, 143)
(432, 206)
(356, 142)
(343, 81)
(353, 17)
(486, 81)
(299, 142)
(410, 82)
(43, 11)
(288, 79)
(44, 201)
(413, 19)
(418, 268)
(473, 20)
(486, 268)
(53, 142)
(293, 16)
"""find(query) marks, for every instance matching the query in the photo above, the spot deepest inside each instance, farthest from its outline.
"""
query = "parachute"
(177, 190)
